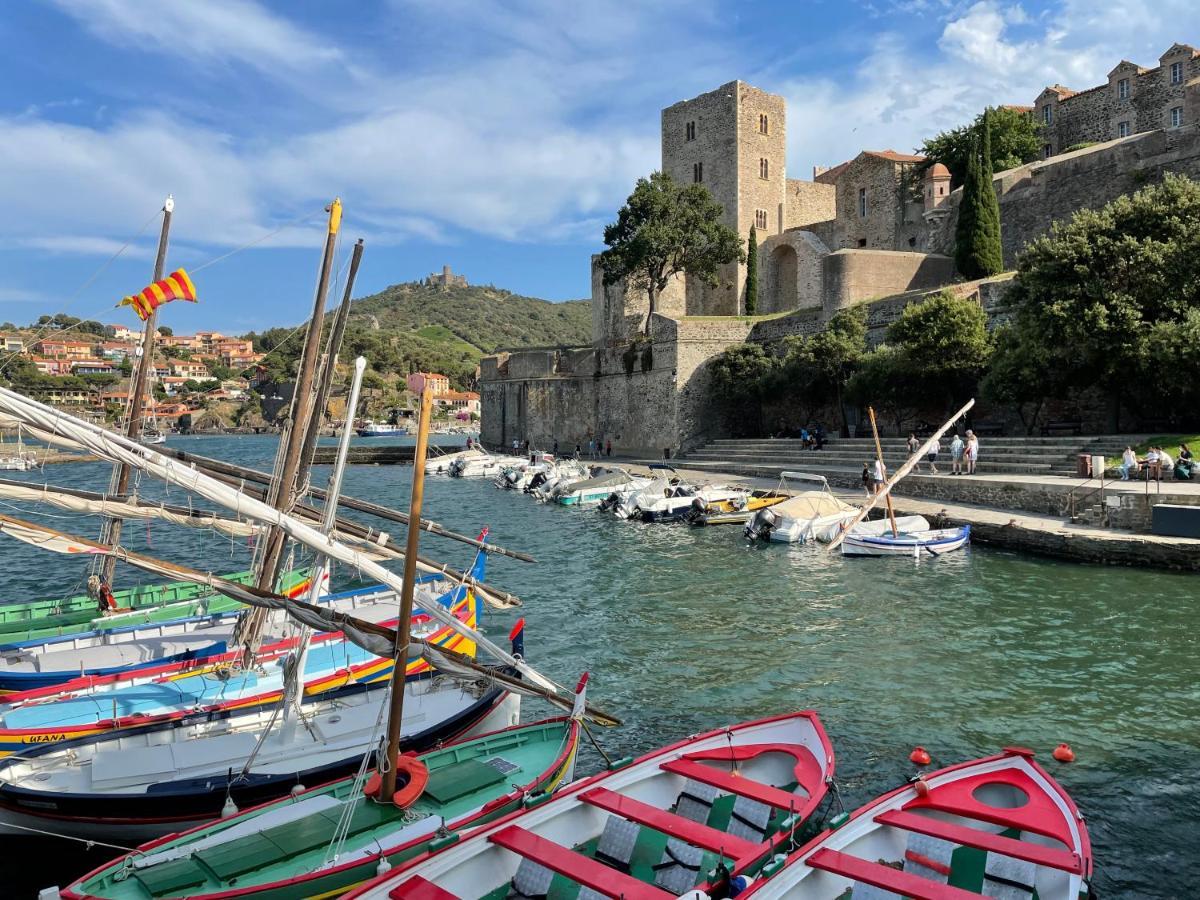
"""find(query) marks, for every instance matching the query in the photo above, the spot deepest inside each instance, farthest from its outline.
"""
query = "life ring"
(418, 779)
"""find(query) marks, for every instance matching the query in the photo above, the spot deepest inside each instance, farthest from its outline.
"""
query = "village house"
(435, 383)
(116, 350)
(124, 333)
(465, 402)
(188, 368)
(50, 366)
(13, 343)
(91, 367)
(64, 349)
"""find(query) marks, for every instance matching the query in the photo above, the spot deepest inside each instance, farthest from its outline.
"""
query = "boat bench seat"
(736, 785)
(171, 877)
(881, 876)
(966, 836)
(686, 830)
(461, 778)
(581, 869)
(234, 858)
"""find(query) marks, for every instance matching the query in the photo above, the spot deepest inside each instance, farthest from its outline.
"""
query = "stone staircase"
(841, 459)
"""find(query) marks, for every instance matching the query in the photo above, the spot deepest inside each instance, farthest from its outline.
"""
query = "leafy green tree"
(1109, 292)
(1016, 138)
(165, 330)
(665, 229)
(817, 368)
(883, 380)
(742, 378)
(1021, 374)
(945, 347)
(125, 367)
(752, 273)
(989, 250)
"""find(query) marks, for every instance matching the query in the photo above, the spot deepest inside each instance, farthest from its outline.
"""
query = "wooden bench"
(964, 836)
(885, 877)
(1062, 426)
(703, 836)
(581, 869)
(736, 785)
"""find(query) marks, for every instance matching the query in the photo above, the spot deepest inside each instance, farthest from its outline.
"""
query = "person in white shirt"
(971, 452)
(1152, 470)
(1165, 462)
(1129, 463)
(932, 456)
(877, 475)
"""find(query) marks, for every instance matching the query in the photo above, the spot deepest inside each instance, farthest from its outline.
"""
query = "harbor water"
(685, 629)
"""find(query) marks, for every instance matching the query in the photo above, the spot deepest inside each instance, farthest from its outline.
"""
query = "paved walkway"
(1015, 529)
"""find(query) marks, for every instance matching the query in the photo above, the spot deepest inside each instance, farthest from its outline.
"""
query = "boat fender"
(297, 790)
(383, 867)
(921, 786)
(1063, 753)
(229, 809)
(920, 756)
(418, 778)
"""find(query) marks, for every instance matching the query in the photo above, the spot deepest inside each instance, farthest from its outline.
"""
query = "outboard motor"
(610, 502)
(760, 527)
(537, 481)
(697, 512)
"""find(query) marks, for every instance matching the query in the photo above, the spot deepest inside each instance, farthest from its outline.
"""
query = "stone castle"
(867, 230)
(446, 279)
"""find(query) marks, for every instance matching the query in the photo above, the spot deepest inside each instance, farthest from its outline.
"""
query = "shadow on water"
(686, 629)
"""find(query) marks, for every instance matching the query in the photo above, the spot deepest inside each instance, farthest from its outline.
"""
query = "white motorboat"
(801, 517)
(477, 466)
(440, 464)
(933, 542)
(559, 478)
(593, 490)
(380, 429)
(677, 501)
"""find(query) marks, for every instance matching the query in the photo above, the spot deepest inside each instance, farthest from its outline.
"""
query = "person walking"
(555, 451)
(956, 454)
(972, 451)
(591, 448)
(578, 452)
(866, 478)
(913, 443)
(608, 447)
(516, 448)
(877, 476)
(932, 456)
(1129, 463)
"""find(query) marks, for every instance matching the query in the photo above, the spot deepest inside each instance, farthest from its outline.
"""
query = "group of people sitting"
(1157, 463)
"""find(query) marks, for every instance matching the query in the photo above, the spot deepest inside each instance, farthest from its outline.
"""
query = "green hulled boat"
(36, 619)
(288, 849)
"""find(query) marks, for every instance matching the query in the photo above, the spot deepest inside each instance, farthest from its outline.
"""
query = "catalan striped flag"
(176, 286)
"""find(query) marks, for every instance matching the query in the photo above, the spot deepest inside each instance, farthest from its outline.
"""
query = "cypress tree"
(989, 251)
(968, 217)
(752, 273)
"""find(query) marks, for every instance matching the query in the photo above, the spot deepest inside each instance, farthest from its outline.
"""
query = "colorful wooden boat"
(996, 827)
(934, 542)
(93, 706)
(287, 849)
(143, 782)
(34, 619)
(652, 828)
(734, 511)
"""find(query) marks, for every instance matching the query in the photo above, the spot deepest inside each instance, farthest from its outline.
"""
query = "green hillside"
(411, 327)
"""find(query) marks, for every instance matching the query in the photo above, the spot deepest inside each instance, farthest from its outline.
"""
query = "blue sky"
(495, 136)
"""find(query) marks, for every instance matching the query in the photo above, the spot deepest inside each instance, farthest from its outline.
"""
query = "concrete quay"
(1047, 533)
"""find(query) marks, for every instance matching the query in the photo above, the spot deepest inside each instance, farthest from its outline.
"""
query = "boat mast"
(285, 487)
(292, 691)
(400, 653)
(111, 533)
(883, 470)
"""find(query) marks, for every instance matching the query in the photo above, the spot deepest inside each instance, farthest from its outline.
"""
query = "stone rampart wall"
(808, 202)
(852, 276)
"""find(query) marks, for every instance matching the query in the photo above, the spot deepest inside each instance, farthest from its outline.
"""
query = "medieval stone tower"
(733, 141)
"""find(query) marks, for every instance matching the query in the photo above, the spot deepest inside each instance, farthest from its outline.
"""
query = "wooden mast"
(883, 469)
(400, 653)
(302, 404)
(111, 533)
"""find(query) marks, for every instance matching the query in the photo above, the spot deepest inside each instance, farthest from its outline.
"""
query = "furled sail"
(54, 424)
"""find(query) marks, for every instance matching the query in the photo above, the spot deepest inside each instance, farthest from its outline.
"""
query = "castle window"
(1048, 114)
(697, 172)
(1123, 89)
(941, 189)
(760, 218)
(862, 203)
(690, 131)
(1176, 116)
(1047, 151)
(764, 168)
(1176, 73)
(1122, 129)
(763, 124)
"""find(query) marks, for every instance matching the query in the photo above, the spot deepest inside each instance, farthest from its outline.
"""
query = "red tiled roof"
(894, 156)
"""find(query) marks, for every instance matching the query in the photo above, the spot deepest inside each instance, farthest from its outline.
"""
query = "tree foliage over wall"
(1016, 139)
(977, 249)
(1111, 299)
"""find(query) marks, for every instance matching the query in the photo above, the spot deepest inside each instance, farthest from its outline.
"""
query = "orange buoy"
(373, 785)
(921, 787)
(920, 756)
(1063, 753)
(418, 778)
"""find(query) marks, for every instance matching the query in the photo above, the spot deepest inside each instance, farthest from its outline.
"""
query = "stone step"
(1067, 441)
(837, 450)
(819, 466)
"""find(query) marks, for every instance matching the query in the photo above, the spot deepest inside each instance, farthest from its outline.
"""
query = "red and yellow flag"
(176, 286)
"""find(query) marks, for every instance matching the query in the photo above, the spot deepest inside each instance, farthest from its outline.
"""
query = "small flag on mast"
(176, 286)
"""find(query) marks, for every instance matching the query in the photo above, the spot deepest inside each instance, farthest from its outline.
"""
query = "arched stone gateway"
(783, 265)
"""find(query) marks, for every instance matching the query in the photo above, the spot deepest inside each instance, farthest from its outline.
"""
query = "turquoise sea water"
(686, 629)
